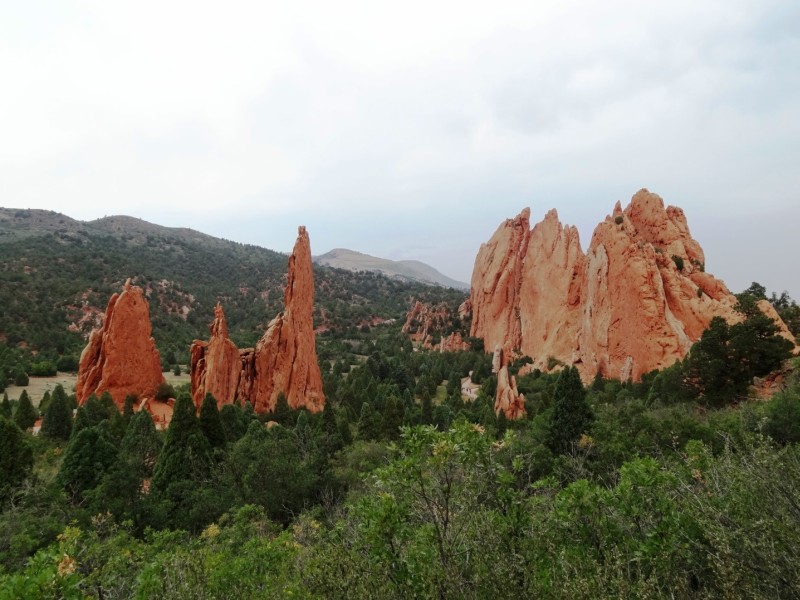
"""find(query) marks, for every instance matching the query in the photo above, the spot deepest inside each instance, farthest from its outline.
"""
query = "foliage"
(57, 422)
(572, 415)
(25, 415)
(16, 457)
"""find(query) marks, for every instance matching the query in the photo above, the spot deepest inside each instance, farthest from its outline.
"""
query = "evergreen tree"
(344, 431)
(502, 424)
(282, 413)
(393, 415)
(81, 421)
(44, 404)
(96, 413)
(128, 408)
(572, 415)
(5, 407)
(25, 415)
(57, 422)
(89, 455)
(184, 461)
(233, 423)
(442, 417)
(426, 418)
(16, 457)
(210, 423)
(369, 423)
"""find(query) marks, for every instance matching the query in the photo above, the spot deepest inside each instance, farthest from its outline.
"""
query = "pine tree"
(210, 423)
(426, 418)
(44, 403)
(25, 415)
(369, 423)
(5, 407)
(282, 413)
(57, 422)
(572, 415)
(81, 421)
(127, 410)
(89, 455)
(16, 457)
(393, 418)
(233, 423)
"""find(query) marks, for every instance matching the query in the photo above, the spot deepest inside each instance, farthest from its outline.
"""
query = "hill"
(57, 274)
(404, 270)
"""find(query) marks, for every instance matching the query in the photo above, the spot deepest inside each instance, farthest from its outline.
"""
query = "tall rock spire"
(285, 359)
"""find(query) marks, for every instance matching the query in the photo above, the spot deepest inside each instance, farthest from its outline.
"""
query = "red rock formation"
(121, 357)
(635, 301)
(508, 399)
(285, 359)
(215, 365)
(424, 321)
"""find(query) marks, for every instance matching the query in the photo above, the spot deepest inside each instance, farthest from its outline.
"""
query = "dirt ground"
(37, 386)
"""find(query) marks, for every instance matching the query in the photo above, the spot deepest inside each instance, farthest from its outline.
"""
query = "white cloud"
(389, 123)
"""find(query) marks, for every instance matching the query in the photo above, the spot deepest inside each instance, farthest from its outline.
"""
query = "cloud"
(394, 129)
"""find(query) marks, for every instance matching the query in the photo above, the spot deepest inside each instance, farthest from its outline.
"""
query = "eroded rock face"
(121, 357)
(635, 301)
(215, 365)
(284, 359)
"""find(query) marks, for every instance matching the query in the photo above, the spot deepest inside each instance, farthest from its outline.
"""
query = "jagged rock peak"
(121, 356)
(635, 301)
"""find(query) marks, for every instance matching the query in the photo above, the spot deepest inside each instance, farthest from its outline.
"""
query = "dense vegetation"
(400, 488)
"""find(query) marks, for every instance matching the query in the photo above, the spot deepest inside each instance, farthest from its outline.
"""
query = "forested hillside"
(57, 274)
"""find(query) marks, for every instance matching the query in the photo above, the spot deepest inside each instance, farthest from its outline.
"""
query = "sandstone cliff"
(284, 359)
(635, 301)
(121, 357)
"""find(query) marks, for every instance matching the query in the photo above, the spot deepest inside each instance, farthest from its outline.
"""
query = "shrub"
(678, 262)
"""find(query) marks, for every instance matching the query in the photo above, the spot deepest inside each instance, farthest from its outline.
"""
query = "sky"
(410, 130)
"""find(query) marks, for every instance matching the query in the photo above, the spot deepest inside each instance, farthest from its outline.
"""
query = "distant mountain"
(405, 270)
(57, 274)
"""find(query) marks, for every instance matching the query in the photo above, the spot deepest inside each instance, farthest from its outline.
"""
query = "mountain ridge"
(406, 270)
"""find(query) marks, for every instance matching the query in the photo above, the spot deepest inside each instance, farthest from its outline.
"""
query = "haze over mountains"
(407, 270)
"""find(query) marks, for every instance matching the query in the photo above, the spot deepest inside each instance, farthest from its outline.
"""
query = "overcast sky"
(410, 129)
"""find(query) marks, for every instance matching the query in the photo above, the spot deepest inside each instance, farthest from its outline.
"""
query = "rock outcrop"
(121, 357)
(635, 301)
(508, 400)
(215, 365)
(284, 360)
(426, 322)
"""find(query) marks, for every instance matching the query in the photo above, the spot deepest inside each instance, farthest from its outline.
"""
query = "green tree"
(57, 422)
(184, 463)
(16, 457)
(5, 407)
(88, 457)
(393, 415)
(282, 413)
(571, 416)
(233, 423)
(369, 423)
(210, 423)
(25, 415)
(267, 468)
